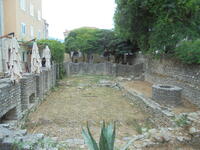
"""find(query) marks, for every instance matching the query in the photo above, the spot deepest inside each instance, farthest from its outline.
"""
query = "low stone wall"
(104, 69)
(28, 91)
(161, 116)
(17, 99)
(10, 100)
(171, 72)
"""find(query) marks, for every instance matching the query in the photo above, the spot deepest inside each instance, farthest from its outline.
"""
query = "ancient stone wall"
(129, 70)
(28, 91)
(16, 99)
(170, 72)
(10, 100)
(104, 69)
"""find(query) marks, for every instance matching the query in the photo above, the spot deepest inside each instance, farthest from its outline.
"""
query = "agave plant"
(106, 141)
(107, 138)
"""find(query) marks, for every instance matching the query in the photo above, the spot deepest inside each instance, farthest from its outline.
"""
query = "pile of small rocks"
(107, 83)
(186, 133)
(12, 138)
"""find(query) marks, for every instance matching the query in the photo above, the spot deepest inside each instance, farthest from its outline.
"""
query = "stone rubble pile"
(186, 134)
(15, 139)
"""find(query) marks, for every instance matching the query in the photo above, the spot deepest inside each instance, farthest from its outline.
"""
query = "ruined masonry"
(17, 99)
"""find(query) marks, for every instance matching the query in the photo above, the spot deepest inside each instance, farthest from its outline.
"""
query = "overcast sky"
(71, 14)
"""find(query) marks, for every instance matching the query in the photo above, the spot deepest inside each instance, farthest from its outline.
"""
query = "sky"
(72, 14)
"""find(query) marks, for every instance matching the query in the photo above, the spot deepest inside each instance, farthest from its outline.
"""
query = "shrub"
(182, 120)
(188, 52)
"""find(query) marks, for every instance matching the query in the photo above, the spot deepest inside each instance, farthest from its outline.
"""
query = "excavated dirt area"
(79, 99)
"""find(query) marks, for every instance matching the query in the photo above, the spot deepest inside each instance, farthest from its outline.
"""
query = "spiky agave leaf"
(89, 140)
(103, 144)
(107, 138)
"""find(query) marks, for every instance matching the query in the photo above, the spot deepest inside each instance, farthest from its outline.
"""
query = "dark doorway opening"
(11, 115)
(32, 98)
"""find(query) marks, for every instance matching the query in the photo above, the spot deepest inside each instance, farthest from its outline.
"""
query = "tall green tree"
(99, 41)
(81, 39)
(158, 25)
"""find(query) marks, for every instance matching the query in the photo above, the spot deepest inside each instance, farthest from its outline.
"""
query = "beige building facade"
(24, 18)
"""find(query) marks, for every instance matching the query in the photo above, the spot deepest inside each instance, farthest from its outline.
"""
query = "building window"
(23, 4)
(23, 28)
(31, 10)
(39, 15)
(32, 32)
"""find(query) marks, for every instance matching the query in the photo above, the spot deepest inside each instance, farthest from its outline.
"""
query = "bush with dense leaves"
(189, 52)
(157, 26)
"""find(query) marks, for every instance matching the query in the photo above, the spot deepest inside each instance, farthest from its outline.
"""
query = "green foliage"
(17, 145)
(92, 40)
(158, 25)
(182, 121)
(189, 52)
(107, 138)
(121, 46)
(103, 40)
(106, 141)
(61, 70)
(82, 39)
(56, 47)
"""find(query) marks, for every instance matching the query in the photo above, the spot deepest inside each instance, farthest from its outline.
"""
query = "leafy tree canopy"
(158, 25)
(93, 40)
(82, 39)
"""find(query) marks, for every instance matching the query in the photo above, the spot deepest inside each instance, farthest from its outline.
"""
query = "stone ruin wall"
(170, 72)
(16, 100)
(10, 100)
(104, 69)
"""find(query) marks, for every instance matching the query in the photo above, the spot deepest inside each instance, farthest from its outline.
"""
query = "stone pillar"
(39, 86)
(28, 91)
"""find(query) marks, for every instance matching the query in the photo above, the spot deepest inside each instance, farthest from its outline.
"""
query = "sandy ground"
(77, 100)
